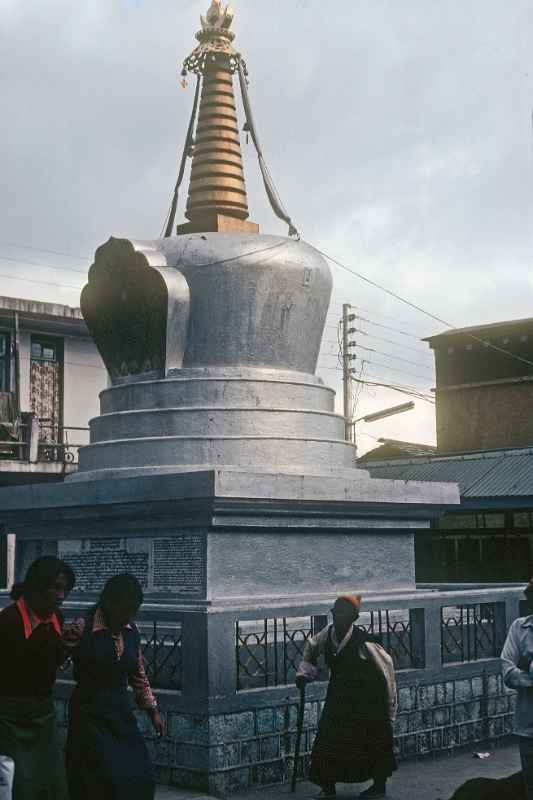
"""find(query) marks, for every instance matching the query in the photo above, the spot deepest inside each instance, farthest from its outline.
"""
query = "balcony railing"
(41, 440)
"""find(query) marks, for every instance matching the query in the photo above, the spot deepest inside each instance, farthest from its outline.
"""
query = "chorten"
(217, 470)
(211, 336)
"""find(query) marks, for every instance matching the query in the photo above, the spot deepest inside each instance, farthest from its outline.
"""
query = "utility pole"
(348, 357)
(346, 372)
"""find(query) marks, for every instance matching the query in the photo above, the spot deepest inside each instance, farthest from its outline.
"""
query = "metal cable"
(186, 151)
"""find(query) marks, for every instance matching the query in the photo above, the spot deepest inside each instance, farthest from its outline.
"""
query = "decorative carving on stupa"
(215, 38)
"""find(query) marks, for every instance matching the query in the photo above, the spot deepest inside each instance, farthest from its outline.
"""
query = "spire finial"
(215, 39)
(217, 21)
(217, 198)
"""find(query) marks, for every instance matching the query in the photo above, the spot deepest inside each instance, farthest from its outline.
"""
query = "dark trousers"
(526, 757)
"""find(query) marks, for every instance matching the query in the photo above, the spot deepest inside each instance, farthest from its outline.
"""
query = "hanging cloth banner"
(275, 201)
(186, 151)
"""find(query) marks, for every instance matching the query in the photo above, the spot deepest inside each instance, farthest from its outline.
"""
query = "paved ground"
(427, 779)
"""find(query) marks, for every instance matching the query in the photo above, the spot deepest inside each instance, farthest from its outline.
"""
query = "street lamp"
(377, 415)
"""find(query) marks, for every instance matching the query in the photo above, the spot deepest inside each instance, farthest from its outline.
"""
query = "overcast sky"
(399, 134)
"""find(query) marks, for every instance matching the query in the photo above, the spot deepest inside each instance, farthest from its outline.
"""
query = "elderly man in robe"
(355, 741)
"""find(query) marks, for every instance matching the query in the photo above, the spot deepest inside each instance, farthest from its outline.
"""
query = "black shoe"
(374, 792)
(327, 793)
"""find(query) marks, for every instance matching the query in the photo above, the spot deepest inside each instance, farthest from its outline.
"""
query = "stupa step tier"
(203, 419)
(211, 341)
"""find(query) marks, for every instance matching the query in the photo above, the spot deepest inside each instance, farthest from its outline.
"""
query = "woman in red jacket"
(31, 761)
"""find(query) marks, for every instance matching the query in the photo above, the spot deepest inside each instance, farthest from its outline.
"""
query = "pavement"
(424, 779)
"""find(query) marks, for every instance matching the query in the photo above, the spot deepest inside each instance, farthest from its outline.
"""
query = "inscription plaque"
(96, 560)
(175, 564)
(178, 564)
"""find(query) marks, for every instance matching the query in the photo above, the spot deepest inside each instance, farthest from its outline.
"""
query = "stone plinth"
(225, 535)
(213, 546)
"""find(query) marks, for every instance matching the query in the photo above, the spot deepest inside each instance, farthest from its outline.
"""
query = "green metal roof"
(493, 473)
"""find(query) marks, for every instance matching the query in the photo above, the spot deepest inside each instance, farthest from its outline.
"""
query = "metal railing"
(432, 635)
(400, 632)
(161, 646)
(268, 651)
(470, 632)
(433, 630)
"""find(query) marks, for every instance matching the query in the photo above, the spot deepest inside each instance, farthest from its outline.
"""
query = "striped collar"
(31, 620)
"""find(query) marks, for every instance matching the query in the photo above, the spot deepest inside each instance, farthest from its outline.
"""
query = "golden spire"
(217, 198)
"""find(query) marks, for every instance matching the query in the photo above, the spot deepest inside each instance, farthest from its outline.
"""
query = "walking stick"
(299, 731)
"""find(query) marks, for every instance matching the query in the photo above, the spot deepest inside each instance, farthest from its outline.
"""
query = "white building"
(50, 377)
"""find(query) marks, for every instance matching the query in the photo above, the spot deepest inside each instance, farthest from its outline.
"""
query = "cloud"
(399, 135)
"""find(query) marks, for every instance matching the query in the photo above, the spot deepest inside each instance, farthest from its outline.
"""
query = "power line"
(401, 371)
(419, 350)
(40, 264)
(42, 250)
(382, 316)
(362, 432)
(394, 369)
(393, 355)
(416, 307)
(335, 261)
(43, 283)
(381, 381)
(257, 251)
(388, 327)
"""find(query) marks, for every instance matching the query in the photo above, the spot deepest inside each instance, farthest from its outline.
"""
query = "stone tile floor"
(426, 779)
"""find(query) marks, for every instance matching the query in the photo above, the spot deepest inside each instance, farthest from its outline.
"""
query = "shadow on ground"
(425, 779)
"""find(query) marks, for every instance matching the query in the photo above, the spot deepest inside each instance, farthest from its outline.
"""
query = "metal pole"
(16, 353)
(346, 374)
(299, 731)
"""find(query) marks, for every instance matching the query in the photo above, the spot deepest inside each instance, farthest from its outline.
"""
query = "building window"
(43, 351)
(453, 521)
(4, 362)
(46, 386)
(492, 519)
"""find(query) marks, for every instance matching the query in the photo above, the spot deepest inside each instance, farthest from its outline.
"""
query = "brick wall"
(256, 746)
(485, 417)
